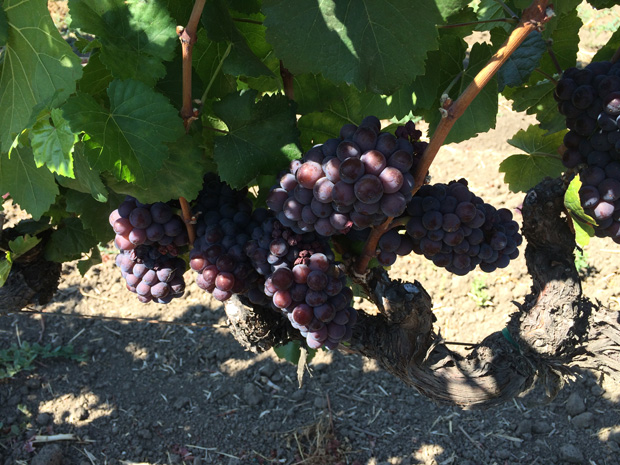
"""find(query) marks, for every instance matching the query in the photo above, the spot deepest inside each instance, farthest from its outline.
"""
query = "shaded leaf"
(94, 258)
(69, 241)
(135, 36)
(537, 99)
(86, 180)
(348, 40)
(93, 214)
(262, 137)
(522, 62)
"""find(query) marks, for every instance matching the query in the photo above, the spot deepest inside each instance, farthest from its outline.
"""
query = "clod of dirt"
(49, 455)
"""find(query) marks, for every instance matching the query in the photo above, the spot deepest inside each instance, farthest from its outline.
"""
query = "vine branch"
(533, 18)
(187, 36)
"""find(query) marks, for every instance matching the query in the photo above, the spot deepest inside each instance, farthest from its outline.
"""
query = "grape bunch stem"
(533, 18)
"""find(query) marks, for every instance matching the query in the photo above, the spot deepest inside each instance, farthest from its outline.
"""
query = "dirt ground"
(153, 393)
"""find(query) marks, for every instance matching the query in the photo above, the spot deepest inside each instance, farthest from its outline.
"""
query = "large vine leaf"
(262, 137)
(208, 58)
(522, 62)
(524, 171)
(136, 36)
(34, 189)
(374, 44)
(52, 143)
(537, 99)
(37, 65)
(128, 139)
(480, 115)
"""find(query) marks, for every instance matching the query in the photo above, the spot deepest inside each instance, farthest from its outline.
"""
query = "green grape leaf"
(34, 189)
(94, 215)
(22, 244)
(135, 36)
(220, 26)
(37, 65)
(86, 180)
(69, 241)
(181, 175)
(449, 8)
(582, 222)
(345, 40)
(537, 99)
(522, 62)
(325, 107)
(489, 10)
(18, 247)
(480, 115)
(6, 264)
(523, 172)
(127, 140)
(94, 258)
(598, 4)
(52, 143)
(207, 58)
(262, 137)
(563, 30)
(4, 28)
(96, 77)
(607, 51)
(291, 351)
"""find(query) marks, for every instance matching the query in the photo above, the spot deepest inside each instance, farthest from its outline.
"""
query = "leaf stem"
(554, 59)
(216, 72)
(287, 82)
(246, 20)
(473, 23)
(187, 36)
(548, 76)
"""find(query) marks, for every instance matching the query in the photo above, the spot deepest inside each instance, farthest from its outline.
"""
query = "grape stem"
(188, 220)
(533, 18)
(287, 82)
(187, 36)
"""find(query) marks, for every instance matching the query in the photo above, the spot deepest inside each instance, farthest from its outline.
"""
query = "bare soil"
(186, 392)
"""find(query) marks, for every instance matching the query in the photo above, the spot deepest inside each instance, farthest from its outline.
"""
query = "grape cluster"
(590, 100)
(456, 230)
(224, 218)
(159, 280)
(303, 282)
(155, 225)
(355, 181)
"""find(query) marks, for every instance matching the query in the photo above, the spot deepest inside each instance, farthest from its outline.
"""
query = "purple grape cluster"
(590, 100)
(155, 225)
(158, 280)
(302, 281)
(224, 218)
(355, 181)
(456, 230)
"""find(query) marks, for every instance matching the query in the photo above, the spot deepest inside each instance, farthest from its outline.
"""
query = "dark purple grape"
(351, 170)
(348, 149)
(392, 180)
(368, 189)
